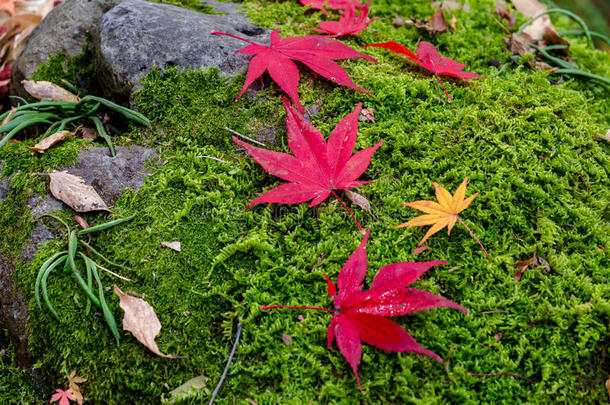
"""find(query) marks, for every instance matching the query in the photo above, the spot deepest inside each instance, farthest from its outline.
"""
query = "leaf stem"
(350, 212)
(443, 86)
(474, 236)
(264, 308)
(214, 32)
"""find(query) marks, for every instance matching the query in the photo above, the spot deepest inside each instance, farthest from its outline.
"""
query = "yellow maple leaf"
(442, 213)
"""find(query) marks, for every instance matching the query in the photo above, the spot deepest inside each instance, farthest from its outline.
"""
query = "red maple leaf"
(317, 168)
(361, 315)
(315, 51)
(64, 397)
(349, 22)
(428, 57)
(333, 4)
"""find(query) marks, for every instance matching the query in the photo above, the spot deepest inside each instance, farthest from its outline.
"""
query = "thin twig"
(244, 136)
(529, 380)
(499, 23)
(213, 158)
(449, 357)
(226, 370)
(492, 312)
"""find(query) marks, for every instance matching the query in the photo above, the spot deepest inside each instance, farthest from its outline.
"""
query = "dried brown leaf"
(73, 191)
(140, 319)
(9, 116)
(608, 385)
(49, 141)
(437, 24)
(531, 8)
(454, 22)
(90, 134)
(48, 91)
(172, 245)
(503, 12)
(535, 261)
(360, 201)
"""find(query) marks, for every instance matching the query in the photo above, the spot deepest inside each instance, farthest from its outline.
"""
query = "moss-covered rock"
(527, 146)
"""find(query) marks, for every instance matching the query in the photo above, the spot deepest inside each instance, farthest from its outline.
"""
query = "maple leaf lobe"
(317, 167)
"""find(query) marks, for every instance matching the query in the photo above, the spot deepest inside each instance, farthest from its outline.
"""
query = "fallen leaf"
(367, 114)
(519, 45)
(603, 138)
(194, 384)
(361, 315)
(48, 91)
(608, 385)
(349, 22)
(535, 261)
(428, 57)
(140, 319)
(49, 141)
(446, 5)
(286, 339)
(454, 22)
(531, 8)
(9, 116)
(333, 4)
(503, 12)
(73, 191)
(64, 397)
(317, 168)
(172, 245)
(9, 5)
(442, 213)
(436, 25)
(73, 381)
(360, 201)
(90, 134)
(419, 250)
(317, 52)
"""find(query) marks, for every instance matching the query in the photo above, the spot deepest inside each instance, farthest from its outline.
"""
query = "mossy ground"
(527, 146)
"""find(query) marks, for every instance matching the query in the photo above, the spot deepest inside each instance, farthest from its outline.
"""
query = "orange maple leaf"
(442, 213)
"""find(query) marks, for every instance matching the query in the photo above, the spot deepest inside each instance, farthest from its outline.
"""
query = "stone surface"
(64, 29)
(108, 176)
(137, 35)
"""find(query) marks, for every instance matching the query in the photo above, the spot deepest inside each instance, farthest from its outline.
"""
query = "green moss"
(527, 148)
(15, 383)
(77, 70)
(195, 5)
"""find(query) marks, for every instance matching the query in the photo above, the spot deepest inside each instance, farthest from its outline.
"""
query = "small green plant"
(58, 114)
(69, 259)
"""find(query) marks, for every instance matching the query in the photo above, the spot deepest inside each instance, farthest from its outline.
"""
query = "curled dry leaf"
(49, 141)
(360, 201)
(535, 261)
(531, 8)
(172, 245)
(437, 24)
(140, 319)
(48, 91)
(90, 134)
(73, 191)
(503, 12)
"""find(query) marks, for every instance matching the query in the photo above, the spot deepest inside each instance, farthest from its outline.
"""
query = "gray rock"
(136, 35)
(64, 29)
(109, 176)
